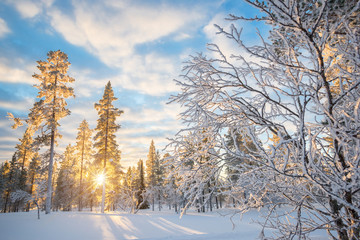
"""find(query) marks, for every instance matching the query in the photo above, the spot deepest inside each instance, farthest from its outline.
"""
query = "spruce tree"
(25, 148)
(150, 172)
(4, 172)
(34, 167)
(140, 185)
(11, 182)
(84, 152)
(105, 141)
(159, 177)
(65, 186)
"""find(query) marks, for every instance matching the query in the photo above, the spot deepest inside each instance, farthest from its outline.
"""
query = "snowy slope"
(110, 226)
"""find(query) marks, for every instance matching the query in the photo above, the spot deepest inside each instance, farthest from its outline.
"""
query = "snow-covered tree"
(140, 186)
(105, 142)
(151, 174)
(170, 188)
(66, 181)
(53, 90)
(25, 148)
(84, 153)
(33, 172)
(301, 86)
(198, 167)
(132, 191)
(159, 177)
(12, 173)
(50, 108)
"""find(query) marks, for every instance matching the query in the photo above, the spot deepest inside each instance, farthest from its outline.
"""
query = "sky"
(138, 45)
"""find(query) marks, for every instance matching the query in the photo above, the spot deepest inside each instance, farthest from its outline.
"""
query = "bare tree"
(296, 97)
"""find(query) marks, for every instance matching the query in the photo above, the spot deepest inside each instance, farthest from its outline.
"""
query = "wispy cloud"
(4, 29)
(30, 8)
(111, 31)
(22, 73)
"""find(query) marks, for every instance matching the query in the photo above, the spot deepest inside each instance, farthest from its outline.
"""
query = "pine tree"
(34, 167)
(105, 141)
(4, 171)
(150, 172)
(159, 177)
(53, 91)
(84, 152)
(65, 186)
(11, 182)
(140, 185)
(50, 108)
(25, 148)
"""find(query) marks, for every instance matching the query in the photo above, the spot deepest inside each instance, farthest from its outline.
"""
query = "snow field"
(119, 225)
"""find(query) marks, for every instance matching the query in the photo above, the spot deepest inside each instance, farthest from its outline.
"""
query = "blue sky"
(138, 45)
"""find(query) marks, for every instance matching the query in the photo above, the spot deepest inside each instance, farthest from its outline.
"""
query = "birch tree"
(302, 86)
(105, 141)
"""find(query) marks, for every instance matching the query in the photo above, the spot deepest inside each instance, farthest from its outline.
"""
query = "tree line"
(87, 174)
(273, 126)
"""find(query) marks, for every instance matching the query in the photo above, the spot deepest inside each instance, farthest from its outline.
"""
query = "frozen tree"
(140, 186)
(25, 148)
(33, 172)
(84, 152)
(11, 172)
(127, 195)
(170, 188)
(133, 189)
(105, 142)
(53, 91)
(151, 173)
(300, 88)
(51, 106)
(159, 177)
(198, 167)
(65, 184)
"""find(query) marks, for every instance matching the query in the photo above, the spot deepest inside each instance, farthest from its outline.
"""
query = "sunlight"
(100, 178)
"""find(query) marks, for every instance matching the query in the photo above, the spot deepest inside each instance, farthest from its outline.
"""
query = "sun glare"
(100, 179)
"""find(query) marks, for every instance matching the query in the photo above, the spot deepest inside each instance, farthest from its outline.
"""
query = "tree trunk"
(50, 172)
(153, 202)
(159, 198)
(105, 159)
(103, 198)
(81, 171)
(6, 201)
(216, 202)
(341, 228)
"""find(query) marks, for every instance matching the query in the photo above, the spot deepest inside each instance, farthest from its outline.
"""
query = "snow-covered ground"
(143, 225)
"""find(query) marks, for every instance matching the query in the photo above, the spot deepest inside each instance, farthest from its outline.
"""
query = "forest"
(272, 126)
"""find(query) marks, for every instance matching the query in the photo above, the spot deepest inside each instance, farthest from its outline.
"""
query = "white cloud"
(151, 74)
(20, 106)
(3, 28)
(111, 31)
(182, 36)
(30, 8)
(21, 74)
(27, 9)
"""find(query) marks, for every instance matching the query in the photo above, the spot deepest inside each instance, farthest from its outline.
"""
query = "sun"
(100, 178)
